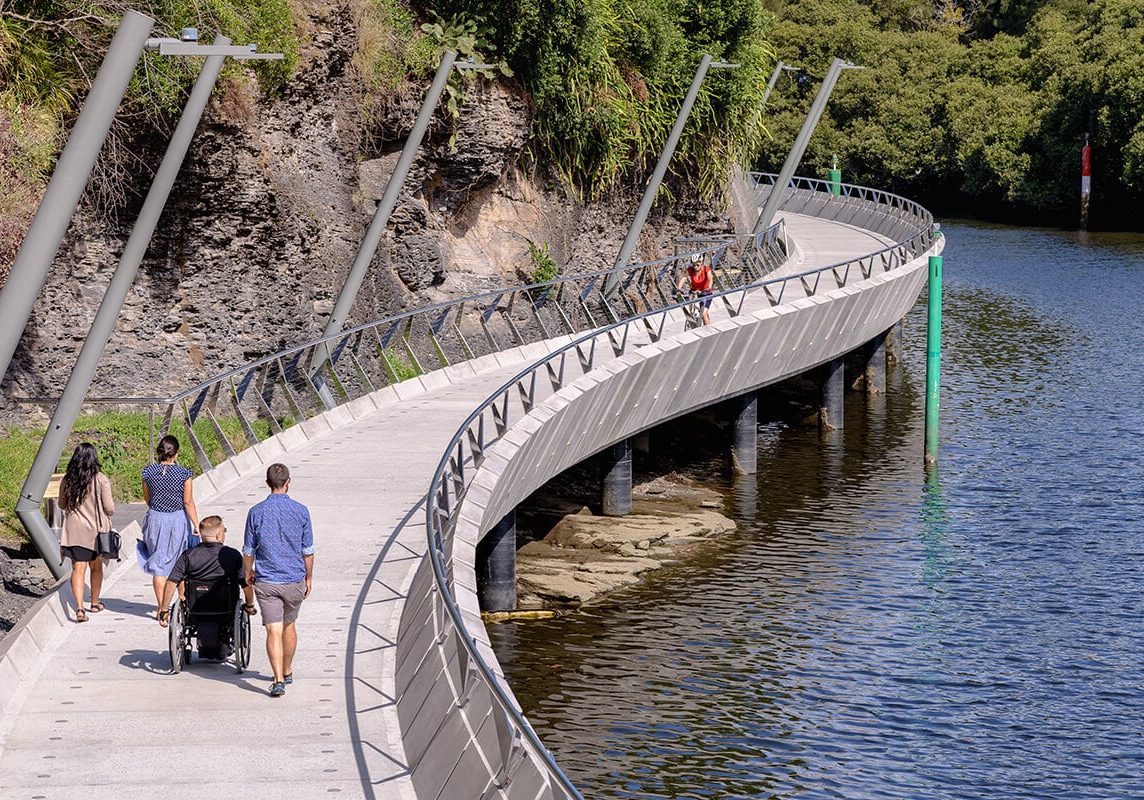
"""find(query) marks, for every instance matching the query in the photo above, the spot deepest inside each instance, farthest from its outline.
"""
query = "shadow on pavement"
(353, 711)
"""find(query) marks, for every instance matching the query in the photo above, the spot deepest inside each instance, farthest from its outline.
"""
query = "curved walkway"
(98, 717)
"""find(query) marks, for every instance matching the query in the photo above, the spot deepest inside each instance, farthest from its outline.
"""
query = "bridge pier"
(496, 566)
(894, 344)
(641, 443)
(831, 403)
(876, 366)
(617, 479)
(744, 433)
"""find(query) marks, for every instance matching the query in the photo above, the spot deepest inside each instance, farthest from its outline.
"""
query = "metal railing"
(265, 396)
(491, 421)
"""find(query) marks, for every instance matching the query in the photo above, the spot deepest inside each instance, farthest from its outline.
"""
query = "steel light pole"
(34, 259)
(773, 80)
(771, 206)
(653, 184)
(368, 249)
(71, 401)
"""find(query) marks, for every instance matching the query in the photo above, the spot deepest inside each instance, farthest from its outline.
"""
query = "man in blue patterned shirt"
(278, 557)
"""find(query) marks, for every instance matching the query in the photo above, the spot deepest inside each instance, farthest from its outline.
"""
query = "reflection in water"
(934, 521)
(874, 631)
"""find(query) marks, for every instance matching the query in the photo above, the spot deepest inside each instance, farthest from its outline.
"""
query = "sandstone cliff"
(270, 207)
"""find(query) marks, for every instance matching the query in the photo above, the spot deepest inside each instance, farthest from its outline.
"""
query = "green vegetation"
(544, 266)
(390, 51)
(398, 367)
(124, 445)
(606, 78)
(51, 49)
(985, 102)
(472, 42)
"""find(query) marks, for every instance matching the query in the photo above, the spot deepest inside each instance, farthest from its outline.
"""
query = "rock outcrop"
(585, 557)
(268, 213)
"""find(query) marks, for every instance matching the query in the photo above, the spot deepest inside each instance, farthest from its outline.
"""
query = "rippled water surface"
(871, 633)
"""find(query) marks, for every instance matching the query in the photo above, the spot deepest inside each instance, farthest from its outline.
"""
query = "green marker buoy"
(933, 359)
(834, 176)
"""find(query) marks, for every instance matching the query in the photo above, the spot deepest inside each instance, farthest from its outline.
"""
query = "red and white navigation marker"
(1085, 181)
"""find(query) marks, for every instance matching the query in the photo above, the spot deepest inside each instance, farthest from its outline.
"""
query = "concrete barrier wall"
(443, 709)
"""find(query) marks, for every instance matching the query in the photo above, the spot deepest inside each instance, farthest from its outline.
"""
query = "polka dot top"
(165, 482)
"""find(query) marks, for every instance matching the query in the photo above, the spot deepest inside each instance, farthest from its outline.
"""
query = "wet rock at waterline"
(585, 556)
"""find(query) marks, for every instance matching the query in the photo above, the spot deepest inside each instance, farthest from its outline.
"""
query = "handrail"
(451, 480)
(286, 383)
(284, 388)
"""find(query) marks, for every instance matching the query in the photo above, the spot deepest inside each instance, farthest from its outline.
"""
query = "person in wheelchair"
(209, 577)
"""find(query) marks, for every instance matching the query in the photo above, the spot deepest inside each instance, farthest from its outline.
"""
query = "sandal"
(80, 615)
(164, 615)
(97, 606)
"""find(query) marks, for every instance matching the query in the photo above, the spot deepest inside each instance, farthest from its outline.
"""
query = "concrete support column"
(833, 388)
(894, 344)
(745, 497)
(617, 479)
(744, 433)
(876, 366)
(496, 566)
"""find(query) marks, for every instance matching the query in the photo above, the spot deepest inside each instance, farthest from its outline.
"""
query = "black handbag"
(107, 543)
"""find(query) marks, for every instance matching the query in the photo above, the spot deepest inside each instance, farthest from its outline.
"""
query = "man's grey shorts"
(279, 602)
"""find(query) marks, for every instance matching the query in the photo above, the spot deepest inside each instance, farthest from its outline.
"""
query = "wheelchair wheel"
(177, 637)
(241, 638)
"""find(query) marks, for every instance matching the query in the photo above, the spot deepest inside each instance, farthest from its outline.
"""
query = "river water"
(869, 632)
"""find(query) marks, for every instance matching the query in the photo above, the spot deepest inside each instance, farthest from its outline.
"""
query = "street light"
(71, 400)
(187, 45)
(357, 272)
(801, 141)
(633, 236)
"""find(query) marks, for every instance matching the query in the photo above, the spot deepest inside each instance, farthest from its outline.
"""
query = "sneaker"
(289, 679)
(277, 689)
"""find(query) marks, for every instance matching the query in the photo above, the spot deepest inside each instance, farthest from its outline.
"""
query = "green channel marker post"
(834, 176)
(933, 359)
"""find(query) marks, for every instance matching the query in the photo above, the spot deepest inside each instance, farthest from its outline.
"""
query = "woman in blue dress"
(172, 518)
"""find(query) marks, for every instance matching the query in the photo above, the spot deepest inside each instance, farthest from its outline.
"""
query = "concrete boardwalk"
(99, 717)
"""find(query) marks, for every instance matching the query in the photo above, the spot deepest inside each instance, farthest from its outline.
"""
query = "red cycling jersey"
(701, 279)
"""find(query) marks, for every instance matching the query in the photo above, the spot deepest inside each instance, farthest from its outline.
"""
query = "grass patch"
(124, 448)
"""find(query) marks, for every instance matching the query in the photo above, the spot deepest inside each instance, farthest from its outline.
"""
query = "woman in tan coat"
(85, 497)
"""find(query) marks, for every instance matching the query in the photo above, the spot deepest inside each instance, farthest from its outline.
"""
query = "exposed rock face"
(267, 216)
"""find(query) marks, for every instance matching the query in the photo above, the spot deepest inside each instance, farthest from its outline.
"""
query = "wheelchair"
(211, 618)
